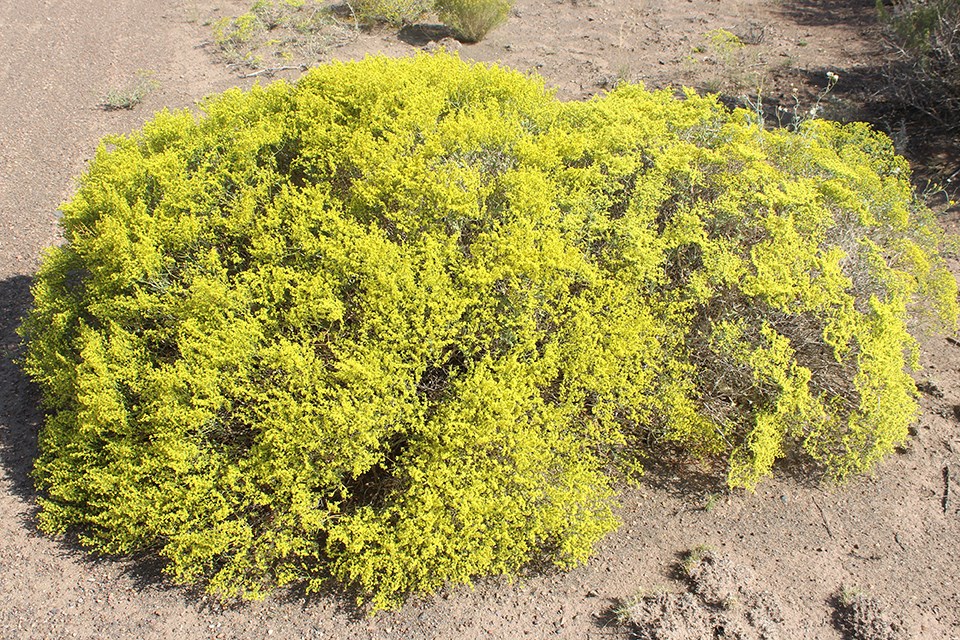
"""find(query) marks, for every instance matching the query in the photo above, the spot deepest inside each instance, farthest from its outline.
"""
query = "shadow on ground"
(20, 414)
(819, 13)
(420, 35)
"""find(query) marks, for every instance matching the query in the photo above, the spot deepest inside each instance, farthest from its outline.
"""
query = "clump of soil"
(861, 617)
(722, 602)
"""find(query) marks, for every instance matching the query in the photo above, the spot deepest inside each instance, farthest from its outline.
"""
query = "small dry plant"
(722, 63)
(863, 617)
(276, 35)
(131, 95)
(794, 116)
(694, 557)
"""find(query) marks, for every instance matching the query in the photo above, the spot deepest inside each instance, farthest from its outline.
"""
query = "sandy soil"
(892, 536)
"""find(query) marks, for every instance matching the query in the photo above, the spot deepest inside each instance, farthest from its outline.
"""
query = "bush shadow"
(682, 477)
(687, 479)
(420, 35)
(20, 413)
(821, 13)
(611, 618)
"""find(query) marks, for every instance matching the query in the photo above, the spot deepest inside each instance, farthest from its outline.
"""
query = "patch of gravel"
(722, 602)
(860, 617)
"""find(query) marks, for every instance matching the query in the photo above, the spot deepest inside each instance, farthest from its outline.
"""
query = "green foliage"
(927, 35)
(239, 30)
(472, 20)
(393, 12)
(401, 323)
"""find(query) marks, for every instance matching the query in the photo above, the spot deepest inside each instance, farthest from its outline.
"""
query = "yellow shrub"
(400, 322)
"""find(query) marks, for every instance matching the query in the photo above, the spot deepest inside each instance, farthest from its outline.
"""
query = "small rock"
(593, 593)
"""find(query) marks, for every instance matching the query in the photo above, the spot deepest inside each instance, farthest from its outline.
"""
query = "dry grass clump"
(280, 34)
(132, 94)
(472, 20)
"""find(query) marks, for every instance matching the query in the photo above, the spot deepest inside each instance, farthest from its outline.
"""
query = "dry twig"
(823, 517)
(272, 70)
(946, 489)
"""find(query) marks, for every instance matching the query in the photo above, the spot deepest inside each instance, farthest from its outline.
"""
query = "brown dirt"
(862, 617)
(892, 535)
(722, 602)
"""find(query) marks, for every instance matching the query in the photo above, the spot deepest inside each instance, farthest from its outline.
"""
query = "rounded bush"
(472, 20)
(403, 323)
(394, 12)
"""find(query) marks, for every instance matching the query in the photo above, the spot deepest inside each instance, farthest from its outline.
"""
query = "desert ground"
(891, 536)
